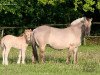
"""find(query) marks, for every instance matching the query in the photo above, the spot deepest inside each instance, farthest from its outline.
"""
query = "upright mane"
(77, 21)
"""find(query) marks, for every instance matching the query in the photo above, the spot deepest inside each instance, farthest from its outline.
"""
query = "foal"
(21, 43)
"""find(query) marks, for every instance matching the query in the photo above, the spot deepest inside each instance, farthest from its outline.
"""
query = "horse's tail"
(35, 54)
(0, 43)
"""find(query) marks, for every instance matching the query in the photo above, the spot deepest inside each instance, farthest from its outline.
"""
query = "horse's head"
(85, 22)
(27, 34)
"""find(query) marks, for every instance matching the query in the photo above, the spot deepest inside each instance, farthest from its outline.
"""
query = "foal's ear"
(30, 29)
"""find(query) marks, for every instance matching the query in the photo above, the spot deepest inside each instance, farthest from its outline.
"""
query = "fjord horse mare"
(69, 37)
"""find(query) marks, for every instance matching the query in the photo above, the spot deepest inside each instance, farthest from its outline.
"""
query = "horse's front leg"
(23, 56)
(42, 54)
(19, 57)
(75, 55)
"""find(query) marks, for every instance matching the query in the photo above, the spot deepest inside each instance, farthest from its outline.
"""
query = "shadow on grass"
(14, 60)
(50, 58)
(0, 60)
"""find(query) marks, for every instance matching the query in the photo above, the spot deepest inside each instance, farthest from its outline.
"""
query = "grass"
(88, 63)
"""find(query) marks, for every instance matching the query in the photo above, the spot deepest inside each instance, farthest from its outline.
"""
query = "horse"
(20, 42)
(65, 38)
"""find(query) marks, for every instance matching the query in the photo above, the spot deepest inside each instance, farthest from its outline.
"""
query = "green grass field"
(88, 63)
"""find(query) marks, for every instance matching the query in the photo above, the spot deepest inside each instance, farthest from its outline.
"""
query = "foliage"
(87, 5)
(36, 12)
(98, 5)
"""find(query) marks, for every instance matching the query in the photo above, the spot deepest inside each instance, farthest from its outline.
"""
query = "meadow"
(88, 63)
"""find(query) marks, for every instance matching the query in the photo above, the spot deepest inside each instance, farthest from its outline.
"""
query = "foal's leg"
(6, 55)
(75, 55)
(19, 57)
(3, 56)
(23, 56)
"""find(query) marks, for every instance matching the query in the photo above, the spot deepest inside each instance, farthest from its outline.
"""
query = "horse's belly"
(58, 45)
(19, 45)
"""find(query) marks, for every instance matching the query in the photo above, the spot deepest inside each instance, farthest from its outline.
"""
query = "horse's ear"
(25, 29)
(30, 29)
(83, 19)
(91, 19)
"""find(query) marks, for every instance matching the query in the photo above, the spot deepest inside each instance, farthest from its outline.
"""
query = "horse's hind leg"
(3, 56)
(42, 54)
(6, 55)
(19, 57)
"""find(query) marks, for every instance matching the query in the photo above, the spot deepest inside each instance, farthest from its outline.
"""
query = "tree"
(36, 12)
(88, 7)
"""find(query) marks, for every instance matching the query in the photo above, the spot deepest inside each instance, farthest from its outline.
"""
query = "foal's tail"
(0, 43)
(35, 54)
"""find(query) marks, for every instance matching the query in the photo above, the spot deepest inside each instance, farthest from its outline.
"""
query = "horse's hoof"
(67, 63)
(18, 62)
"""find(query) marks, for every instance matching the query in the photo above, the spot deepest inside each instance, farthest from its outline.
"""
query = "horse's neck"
(23, 38)
(77, 29)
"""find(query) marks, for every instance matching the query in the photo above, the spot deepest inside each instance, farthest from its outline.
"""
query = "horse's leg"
(23, 56)
(70, 53)
(6, 55)
(19, 57)
(42, 53)
(68, 56)
(75, 55)
(35, 54)
(3, 56)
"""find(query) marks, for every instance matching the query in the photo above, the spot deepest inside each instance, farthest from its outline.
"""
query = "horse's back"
(7, 38)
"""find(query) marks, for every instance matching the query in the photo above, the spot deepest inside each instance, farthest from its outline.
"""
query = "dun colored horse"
(21, 43)
(69, 37)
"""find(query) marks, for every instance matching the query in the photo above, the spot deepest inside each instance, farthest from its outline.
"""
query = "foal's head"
(27, 34)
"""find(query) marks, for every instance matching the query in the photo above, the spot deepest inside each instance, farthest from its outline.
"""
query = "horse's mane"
(77, 21)
(21, 35)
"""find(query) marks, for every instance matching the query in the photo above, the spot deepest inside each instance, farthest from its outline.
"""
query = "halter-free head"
(87, 24)
(83, 21)
(27, 33)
